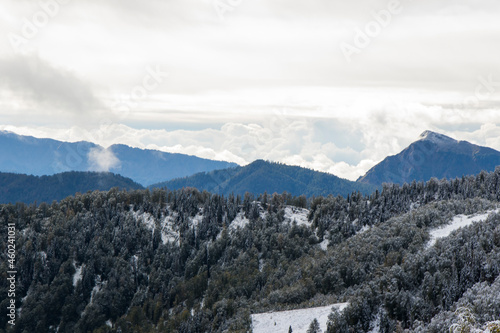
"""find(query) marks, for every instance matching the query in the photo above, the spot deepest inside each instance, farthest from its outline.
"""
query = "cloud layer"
(260, 79)
(346, 147)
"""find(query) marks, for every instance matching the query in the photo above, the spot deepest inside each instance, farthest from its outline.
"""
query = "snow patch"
(364, 229)
(134, 260)
(78, 274)
(43, 255)
(298, 215)
(168, 232)
(19, 311)
(240, 221)
(97, 288)
(299, 320)
(195, 221)
(324, 244)
(436, 138)
(147, 219)
(457, 222)
(375, 324)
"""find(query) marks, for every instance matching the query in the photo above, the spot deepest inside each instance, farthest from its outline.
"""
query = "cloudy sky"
(330, 85)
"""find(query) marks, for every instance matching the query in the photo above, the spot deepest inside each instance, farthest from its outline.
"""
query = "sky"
(331, 85)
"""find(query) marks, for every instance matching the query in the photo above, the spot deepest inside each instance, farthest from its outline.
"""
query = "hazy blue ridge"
(261, 176)
(29, 155)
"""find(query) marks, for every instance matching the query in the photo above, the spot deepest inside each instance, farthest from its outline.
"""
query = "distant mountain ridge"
(28, 189)
(262, 176)
(433, 155)
(29, 155)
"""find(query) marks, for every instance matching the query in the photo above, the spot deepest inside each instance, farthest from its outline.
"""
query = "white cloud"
(268, 82)
(348, 150)
(36, 91)
(102, 159)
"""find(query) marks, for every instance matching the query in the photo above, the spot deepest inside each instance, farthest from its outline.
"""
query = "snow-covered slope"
(458, 222)
(436, 138)
(299, 320)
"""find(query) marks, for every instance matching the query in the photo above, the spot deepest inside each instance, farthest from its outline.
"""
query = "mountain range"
(263, 176)
(38, 157)
(433, 155)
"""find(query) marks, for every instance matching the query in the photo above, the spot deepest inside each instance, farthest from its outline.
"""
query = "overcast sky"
(331, 85)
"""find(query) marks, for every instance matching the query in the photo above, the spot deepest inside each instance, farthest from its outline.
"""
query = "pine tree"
(314, 327)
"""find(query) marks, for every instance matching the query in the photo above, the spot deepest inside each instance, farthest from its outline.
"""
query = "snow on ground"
(298, 215)
(146, 218)
(168, 232)
(20, 309)
(43, 256)
(299, 320)
(78, 274)
(457, 222)
(324, 244)
(195, 221)
(375, 324)
(97, 288)
(414, 205)
(134, 260)
(94, 292)
(364, 229)
(240, 221)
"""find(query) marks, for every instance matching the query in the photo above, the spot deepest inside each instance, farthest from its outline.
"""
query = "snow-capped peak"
(436, 138)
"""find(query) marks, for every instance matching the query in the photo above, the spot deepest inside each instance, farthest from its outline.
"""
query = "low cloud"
(101, 159)
(344, 141)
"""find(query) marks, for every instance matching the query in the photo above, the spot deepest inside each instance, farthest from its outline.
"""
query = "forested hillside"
(28, 189)
(190, 261)
(263, 176)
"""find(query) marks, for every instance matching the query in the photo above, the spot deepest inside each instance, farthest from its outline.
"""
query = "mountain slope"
(433, 155)
(185, 261)
(151, 166)
(23, 188)
(29, 155)
(261, 176)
